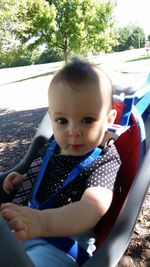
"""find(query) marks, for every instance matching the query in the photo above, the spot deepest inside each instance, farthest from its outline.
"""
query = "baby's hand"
(12, 181)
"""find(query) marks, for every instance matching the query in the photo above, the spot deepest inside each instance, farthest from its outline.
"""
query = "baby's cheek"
(61, 142)
(95, 135)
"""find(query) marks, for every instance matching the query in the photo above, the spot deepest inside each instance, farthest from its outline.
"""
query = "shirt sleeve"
(105, 170)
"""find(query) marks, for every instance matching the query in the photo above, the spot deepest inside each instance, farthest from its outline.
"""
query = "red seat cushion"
(128, 146)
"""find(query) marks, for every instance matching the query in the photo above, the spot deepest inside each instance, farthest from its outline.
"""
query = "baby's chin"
(69, 153)
(74, 150)
(65, 152)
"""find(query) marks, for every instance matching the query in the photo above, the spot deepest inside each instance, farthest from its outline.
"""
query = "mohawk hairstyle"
(77, 71)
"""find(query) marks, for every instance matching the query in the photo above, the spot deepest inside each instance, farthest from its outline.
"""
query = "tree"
(148, 38)
(74, 26)
(81, 25)
(130, 36)
(18, 23)
(7, 44)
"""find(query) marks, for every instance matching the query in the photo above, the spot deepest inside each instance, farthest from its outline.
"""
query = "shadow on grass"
(32, 77)
(138, 59)
(17, 129)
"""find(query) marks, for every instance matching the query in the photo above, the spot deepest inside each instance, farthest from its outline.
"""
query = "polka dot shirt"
(101, 173)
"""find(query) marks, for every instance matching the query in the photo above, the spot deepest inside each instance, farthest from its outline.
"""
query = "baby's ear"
(112, 116)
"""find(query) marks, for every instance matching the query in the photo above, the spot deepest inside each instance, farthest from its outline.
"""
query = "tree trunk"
(65, 56)
(65, 51)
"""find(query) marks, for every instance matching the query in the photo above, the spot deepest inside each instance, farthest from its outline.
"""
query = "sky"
(134, 11)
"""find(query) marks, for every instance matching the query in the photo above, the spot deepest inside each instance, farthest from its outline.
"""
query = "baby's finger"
(7, 190)
(12, 174)
(7, 187)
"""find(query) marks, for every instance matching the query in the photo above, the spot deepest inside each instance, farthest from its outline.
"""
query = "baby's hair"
(76, 72)
(79, 72)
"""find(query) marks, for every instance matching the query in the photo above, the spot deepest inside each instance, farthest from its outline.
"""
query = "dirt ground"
(138, 251)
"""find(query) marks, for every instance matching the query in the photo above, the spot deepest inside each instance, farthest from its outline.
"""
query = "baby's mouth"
(78, 146)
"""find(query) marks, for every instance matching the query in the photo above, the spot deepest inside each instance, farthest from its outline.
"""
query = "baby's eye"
(88, 120)
(62, 121)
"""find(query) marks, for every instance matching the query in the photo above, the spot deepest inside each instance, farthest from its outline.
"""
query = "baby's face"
(79, 118)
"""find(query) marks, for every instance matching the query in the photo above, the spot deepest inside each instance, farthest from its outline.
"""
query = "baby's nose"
(74, 130)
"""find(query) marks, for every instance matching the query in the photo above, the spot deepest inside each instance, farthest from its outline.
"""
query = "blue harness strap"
(49, 203)
(33, 203)
(143, 103)
(140, 100)
(88, 159)
(128, 103)
(66, 244)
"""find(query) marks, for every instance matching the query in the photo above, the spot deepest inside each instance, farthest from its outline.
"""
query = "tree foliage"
(80, 25)
(148, 38)
(129, 37)
(74, 26)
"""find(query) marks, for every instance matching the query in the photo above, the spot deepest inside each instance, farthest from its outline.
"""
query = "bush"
(49, 55)
(29, 57)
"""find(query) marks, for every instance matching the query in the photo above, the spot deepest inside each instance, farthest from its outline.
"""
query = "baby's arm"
(72, 219)
(78, 217)
(12, 181)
